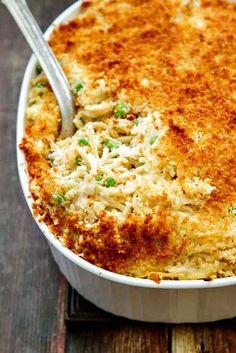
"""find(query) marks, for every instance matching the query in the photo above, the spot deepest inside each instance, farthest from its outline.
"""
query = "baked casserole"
(146, 186)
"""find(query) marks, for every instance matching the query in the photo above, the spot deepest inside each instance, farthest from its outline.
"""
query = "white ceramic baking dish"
(138, 299)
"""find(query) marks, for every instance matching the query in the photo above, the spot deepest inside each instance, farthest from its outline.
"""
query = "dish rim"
(65, 16)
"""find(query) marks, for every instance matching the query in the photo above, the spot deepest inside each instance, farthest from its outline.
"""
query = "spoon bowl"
(53, 71)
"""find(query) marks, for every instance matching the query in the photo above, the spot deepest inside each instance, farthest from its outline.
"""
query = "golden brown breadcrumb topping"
(177, 58)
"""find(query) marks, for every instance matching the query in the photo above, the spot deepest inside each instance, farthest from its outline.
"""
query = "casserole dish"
(139, 299)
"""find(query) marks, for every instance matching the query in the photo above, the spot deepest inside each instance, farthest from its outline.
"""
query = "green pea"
(110, 182)
(83, 142)
(98, 177)
(111, 144)
(152, 139)
(39, 85)
(59, 197)
(121, 110)
(78, 87)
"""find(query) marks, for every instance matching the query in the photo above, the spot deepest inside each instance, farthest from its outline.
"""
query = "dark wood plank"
(142, 338)
(31, 290)
(217, 337)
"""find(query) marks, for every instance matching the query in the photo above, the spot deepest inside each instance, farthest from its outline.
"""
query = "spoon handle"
(56, 77)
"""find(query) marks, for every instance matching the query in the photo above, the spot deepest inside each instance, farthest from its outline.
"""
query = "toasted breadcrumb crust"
(146, 186)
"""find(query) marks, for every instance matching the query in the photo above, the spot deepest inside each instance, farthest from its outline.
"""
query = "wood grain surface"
(32, 291)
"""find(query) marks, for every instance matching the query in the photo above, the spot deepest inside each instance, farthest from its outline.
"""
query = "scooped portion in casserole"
(146, 187)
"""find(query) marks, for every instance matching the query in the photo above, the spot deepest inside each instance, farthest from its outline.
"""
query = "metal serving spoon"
(56, 77)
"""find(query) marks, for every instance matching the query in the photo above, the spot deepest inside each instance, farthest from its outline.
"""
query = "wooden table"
(32, 291)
